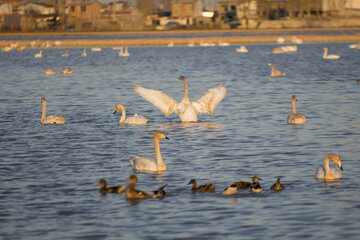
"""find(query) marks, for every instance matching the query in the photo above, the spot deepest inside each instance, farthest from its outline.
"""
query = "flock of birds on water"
(188, 112)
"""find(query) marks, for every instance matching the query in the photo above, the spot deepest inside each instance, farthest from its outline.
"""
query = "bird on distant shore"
(186, 110)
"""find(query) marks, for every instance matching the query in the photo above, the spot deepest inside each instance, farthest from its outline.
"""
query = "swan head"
(293, 98)
(192, 181)
(43, 100)
(270, 64)
(117, 107)
(132, 178)
(102, 182)
(160, 135)
(337, 160)
(182, 78)
(325, 48)
(256, 179)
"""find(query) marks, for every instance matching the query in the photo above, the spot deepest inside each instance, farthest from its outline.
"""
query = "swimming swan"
(84, 54)
(126, 53)
(295, 118)
(52, 119)
(38, 55)
(186, 110)
(136, 119)
(66, 70)
(325, 56)
(242, 49)
(330, 173)
(66, 53)
(277, 72)
(49, 72)
(144, 164)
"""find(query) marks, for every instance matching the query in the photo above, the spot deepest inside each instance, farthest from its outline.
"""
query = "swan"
(295, 118)
(171, 43)
(255, 186)
(277, 72)
(280, 40)
(191, 43)
(277, 186)
(126, 53)
(136, 119)
(223, 44)
(49, 72)
(133, 193)
(38, 55)
(66, 70)
(230, 190)
(121, 51)
(325, 56)
(145, 164)
(186, 110)
(66, 53)
(203, 188)
(84, 54)
(52, 119)
(330, 173)
(242, 49)
(104, 189)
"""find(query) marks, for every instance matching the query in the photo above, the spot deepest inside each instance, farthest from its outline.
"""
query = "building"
(83, 14)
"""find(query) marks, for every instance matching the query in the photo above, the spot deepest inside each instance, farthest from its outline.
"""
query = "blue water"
(48, 173)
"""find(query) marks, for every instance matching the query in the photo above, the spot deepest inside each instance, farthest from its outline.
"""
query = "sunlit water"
(48, 173)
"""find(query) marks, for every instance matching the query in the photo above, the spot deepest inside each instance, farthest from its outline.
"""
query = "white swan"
(66, 70)
(145, 164)
(136, 119)
(224, 44)
(186, 110)
(295, 118)
(66, 53)
(325, 56)
(171, 43)
(49, 72)
(277, 72)
(126, 53)
(121, 51)
(242, 49)
(330, 173)
(52, 119)
(84, 54)
(38, 55)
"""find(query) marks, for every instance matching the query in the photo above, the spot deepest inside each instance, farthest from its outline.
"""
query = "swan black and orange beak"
(341, 168)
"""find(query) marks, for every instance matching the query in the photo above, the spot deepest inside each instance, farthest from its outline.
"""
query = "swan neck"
(43, 111)
(159, 161)
(326, 164)
(123, 114)
(273, 69)
(325, 53)
(186, 96)
(293, 107)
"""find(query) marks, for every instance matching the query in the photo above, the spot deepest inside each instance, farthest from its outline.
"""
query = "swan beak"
(341, 168)
(115, 111)
(166, 137)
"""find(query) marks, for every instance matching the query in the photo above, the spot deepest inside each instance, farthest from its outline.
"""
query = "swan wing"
(208, 102)
(157, 98)
(143, 164)
(320, 173)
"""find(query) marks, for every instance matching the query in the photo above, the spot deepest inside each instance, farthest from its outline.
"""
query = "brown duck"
(242, 185)
(133, 193)
(203, 188)
(104, 189)
(277, 186)
(160, 192)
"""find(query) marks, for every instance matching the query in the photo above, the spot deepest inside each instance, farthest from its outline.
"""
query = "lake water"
(48, 173)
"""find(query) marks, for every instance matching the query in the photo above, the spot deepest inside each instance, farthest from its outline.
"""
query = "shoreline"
(185, 38)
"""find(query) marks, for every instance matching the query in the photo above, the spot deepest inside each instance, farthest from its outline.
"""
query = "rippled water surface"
(48, 173)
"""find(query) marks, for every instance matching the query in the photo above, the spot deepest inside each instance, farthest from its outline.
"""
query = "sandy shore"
(173, 36)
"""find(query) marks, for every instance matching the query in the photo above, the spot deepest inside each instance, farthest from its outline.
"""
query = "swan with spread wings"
(186, 110)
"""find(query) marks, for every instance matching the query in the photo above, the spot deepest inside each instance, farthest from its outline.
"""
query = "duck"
(51, 119)
(39, 54)
(277, 72)
(84, 54)
(133, 193)
(325, 56)
(295, 118)
(136, 119)
(160, 192)
(242, 49)
(186, 110)
(330, 173)
(49, 72)
(255, 186)
(230, 190)
(242, 185)
(66, 70)
(66, 53)
(277, 186)
(115, 189)
(144, 164)
(203, 188)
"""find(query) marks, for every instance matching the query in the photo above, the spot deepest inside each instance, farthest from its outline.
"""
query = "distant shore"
(179, 37)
